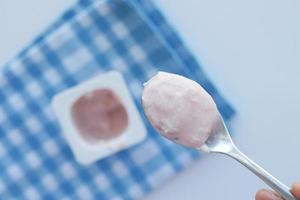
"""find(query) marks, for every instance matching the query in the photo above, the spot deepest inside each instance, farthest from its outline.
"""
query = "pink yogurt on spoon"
(179, 109)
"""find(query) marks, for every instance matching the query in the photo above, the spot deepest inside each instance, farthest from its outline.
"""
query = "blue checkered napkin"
(91, 38)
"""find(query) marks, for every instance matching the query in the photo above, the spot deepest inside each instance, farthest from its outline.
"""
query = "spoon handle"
(274, 183)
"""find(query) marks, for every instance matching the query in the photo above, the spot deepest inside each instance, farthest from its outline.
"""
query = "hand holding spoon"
(182, 111)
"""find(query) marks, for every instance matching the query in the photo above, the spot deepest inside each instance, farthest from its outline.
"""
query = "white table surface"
(251, 51)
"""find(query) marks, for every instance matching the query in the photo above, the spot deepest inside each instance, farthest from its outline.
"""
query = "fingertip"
(263, 194)
(266, 195)
(296, 189)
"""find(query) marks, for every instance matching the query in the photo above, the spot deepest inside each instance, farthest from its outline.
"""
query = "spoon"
(183, 112)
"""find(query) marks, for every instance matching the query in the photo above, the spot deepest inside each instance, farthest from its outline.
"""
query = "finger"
(296, 190)
(267, 195)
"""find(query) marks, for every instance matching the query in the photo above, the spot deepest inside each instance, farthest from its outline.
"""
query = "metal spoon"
(182, 124)
(220, 141)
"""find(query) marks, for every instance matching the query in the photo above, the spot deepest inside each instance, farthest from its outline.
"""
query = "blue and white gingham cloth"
(91, 38)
